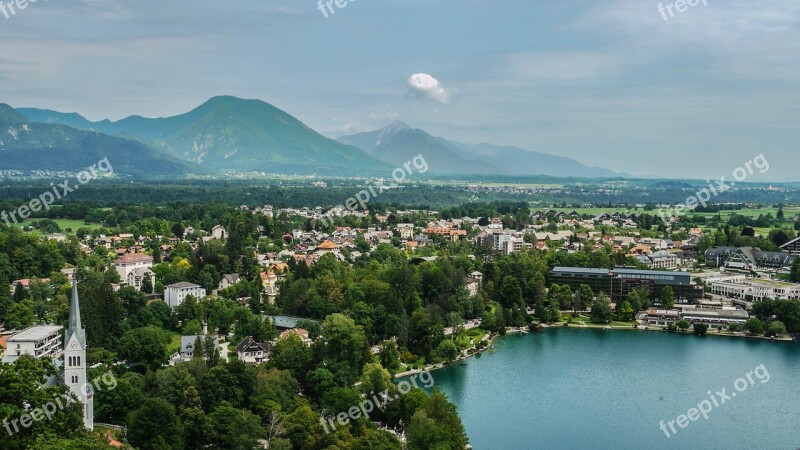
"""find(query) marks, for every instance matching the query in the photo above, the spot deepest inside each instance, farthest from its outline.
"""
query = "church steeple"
(75, 360)
(74, 326)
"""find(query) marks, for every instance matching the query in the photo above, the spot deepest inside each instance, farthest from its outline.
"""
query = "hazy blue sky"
(609, 83)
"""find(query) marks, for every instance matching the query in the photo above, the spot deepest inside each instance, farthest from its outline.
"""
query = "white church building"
(75, 360)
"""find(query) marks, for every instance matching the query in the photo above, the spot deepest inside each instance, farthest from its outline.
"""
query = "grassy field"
(789, 211)
(175, 345)
(597, 211)
(63, 224)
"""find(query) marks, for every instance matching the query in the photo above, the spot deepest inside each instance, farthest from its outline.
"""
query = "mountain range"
(398, 142)
(231, 134)
(27, 146)
(228, 134)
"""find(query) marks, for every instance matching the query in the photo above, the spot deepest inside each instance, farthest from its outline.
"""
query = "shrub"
(700, 329)
(775, 328)
(754, 326)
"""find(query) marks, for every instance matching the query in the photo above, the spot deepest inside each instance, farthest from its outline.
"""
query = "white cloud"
(424, 85)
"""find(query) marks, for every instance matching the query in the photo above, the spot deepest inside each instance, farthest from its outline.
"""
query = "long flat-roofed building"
(754, 289)
(600, 280)
(716, 318)
(618, 283)
(38, 341)
(176, 293)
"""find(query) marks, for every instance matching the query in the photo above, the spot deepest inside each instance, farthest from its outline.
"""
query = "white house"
(131, 261)
(406, 230)
(188, 342)
(253, 352)
(137, 276)
(174, 294)
(218, 232)
(228, 280)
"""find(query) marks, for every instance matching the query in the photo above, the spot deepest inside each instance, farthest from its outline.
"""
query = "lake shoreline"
(490, 337)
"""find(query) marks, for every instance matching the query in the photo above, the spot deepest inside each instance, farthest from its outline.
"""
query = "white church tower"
(75, 360)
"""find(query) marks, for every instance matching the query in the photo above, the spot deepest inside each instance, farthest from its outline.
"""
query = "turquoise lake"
(596, 389)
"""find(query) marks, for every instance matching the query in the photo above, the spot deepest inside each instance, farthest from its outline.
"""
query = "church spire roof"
(74, 327)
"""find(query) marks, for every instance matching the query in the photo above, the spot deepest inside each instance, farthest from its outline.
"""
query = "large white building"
(406, 230)
(137, 276)
(75, 361)
(38, 341)
(752, 290)
(129, 262)
(175, 294)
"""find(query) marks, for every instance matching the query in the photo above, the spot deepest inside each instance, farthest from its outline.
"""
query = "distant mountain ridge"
(397, 142)
(228, 133)
(30, 146)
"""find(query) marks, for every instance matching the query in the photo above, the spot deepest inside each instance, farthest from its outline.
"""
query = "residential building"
(474, 283)
(406, 230)
(303, 334)
(746, 259)
(174, 294)
(253, 352)
(137, 276)
(129, 262)
(452, 233)
(660, 260)
(219, 232)
(188, 343)
(792, 247)
(37, 341)
(228, 280)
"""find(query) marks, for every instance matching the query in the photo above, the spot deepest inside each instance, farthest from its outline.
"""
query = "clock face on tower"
(73, 345)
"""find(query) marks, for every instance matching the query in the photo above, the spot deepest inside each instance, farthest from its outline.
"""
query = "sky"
(608, 83)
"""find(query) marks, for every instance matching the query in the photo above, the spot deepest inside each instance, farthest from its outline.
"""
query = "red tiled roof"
(131, 258)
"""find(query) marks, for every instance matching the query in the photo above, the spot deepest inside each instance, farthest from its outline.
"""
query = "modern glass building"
(618, 283)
